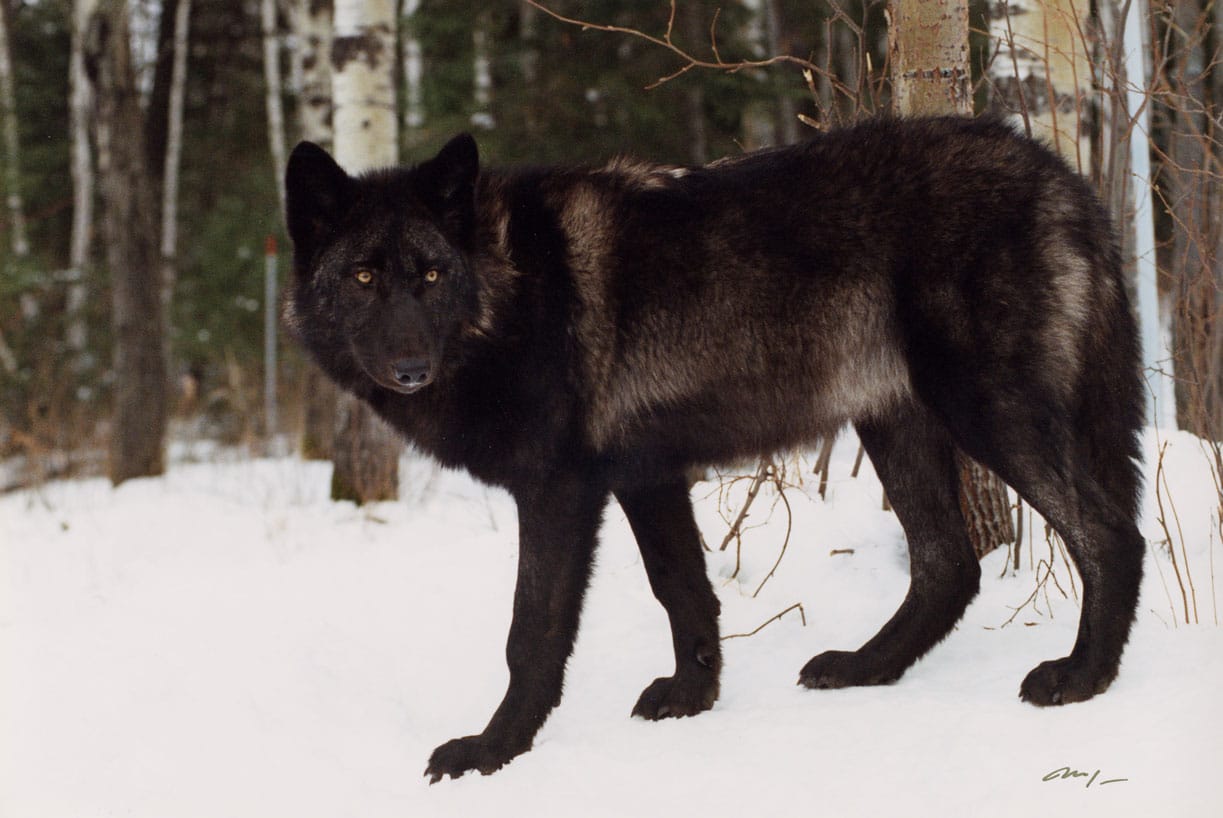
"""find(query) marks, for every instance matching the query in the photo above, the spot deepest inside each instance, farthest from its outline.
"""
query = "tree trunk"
(787, 113)
(1041, 74)
(413, 70)
(1191, 191)
(12, 146)
(928, 43)
(139, 423)
(312, 24)
(366, 459)
(173, 153)
(694, 94)
(274, 88)
(80, 115)
(482, 75)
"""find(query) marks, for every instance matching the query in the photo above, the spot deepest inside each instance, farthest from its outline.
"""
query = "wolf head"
(381, 281)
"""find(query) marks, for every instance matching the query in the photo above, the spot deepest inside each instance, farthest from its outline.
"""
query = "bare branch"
(690, 61)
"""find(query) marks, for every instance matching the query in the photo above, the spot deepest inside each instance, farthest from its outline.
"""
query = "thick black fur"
(577, 333)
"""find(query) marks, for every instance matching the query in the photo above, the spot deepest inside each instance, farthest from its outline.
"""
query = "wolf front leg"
(557, 527)
(662, 521)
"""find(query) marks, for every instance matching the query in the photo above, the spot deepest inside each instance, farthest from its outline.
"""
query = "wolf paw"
(1063, 681)
(462, 755)
(672, 697)
(840, 668)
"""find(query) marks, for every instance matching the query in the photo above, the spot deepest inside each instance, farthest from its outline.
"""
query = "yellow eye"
(432, 276)
(364, 276)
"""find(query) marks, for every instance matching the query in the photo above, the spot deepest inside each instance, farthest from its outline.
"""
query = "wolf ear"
(316, 193)
(447, 183)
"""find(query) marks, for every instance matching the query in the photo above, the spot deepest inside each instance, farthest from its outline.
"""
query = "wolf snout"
(411, 373)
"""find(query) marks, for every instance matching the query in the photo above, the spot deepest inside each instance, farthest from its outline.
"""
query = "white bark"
(362, 80)
(1041, 53)
(174, 149)
(413, 69)
(312, 27)
(482, 83)
(275, 109)
(366, 455)
(12, 147)
(80, 116)
(928, 43)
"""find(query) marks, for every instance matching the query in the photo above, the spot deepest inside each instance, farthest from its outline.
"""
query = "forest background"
(534, 89)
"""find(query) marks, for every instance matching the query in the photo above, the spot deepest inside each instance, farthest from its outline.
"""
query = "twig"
(770, 621)
(823, 463)
(1176, 517)
(1041, 584)
(1163, 523)
(752, 490)
(690, 61)
(781, 493)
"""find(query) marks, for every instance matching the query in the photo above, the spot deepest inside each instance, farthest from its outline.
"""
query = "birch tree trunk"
(274, 105)
(80, 116)
(139, 422)
(174, 149)
(366, 458)
(312, 27)
(1041, 74)
(12, 146)
(482, 75)
(928, 42)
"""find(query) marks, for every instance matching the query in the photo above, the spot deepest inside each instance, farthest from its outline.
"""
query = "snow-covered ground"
(225, 641)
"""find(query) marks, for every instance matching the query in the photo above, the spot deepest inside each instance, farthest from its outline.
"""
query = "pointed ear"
(447, 183)
(316, 194)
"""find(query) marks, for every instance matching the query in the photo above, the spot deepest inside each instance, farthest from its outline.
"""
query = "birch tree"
(312, 56)
(366, 458)
(928, 44)
(312, 30)
(139, 421)
(1041, 72)
(80, 115)
(274, 85)
(413, 66)
(174, 149)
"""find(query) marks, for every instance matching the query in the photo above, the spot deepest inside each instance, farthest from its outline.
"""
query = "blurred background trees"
(535, 90)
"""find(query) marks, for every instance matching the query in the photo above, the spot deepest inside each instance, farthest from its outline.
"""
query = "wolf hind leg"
(662, 521)
(1107, 549)
(915, 461)
(1081, 478)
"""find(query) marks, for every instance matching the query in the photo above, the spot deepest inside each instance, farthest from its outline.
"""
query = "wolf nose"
(412, 372)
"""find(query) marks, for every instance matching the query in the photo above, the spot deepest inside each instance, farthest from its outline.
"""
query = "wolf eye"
(432, 276)
(363, 276)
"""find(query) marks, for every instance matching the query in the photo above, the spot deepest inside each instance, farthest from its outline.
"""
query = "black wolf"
(575, 333)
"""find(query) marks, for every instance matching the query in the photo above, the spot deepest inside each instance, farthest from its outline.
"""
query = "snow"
(225, 641)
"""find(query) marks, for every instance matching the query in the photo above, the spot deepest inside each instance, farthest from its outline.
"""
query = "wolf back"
(579, 333)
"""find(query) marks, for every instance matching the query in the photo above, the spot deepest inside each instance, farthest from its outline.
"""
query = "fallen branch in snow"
(770, 621)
